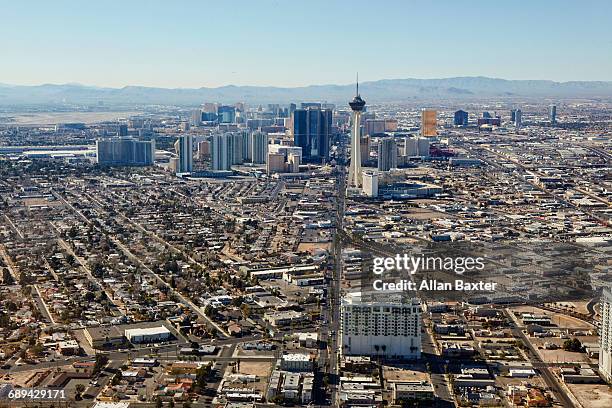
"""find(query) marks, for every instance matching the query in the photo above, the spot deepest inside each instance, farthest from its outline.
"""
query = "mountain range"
(386, 90)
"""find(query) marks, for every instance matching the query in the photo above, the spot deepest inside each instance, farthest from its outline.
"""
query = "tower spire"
(357, 93)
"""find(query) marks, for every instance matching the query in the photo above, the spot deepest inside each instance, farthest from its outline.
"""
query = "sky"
(192, 44)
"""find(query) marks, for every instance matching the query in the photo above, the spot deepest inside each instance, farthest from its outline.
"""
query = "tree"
(246, 310)
(573, 345)
(117, 378)
(97, 270)
(208, 310)
(158, 402)
(37, 350)
(73, 232)
(101, 361)
(80, 388)
(7, 278)
(201, 375)
(5, 320)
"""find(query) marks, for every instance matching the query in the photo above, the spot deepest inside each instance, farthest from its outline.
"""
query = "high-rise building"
(428, 123)
(387, 154)
(122, 130)
(293, 163)
(209, 107)
(370, 183)
(486, 115)
(125, 152)
(285, 150)
(173, 164)
(306, 105)
(365, 149)
(384, 328)
(275, 163)
(518, 118)
(226, 114)
(203, 149)
(196, 117)
(221, 152)
(411, 147)
(235, 146)
(209, 116)
(258, 142)
(378, 126)
(605, 335)
(355, 176)
(416, 147)
(184, 149)
(461, 118)
(496, 121)
(311, 131)
(423, 147)
(552, 114)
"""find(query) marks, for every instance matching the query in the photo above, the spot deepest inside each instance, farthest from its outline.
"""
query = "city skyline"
(118, 45)
(203, 205)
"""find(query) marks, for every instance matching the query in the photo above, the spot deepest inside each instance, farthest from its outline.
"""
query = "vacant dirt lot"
(592, 395)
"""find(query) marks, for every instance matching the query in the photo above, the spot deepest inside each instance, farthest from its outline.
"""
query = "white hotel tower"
(389, 328)
(355, 178)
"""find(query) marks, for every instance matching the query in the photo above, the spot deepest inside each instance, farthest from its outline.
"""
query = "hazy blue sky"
(293, 43)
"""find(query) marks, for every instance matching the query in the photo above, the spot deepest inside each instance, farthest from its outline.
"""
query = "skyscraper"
(122, 130)
(311, 131)
(370, 183)
(461, 118)
(387, 154)
(220, 151)
(605, 339)
(196, 117)
(203, 149)
(355, 177)
(235, 146)
(552, 114)
(386, 328)
(518, 118)
(428, 123)
(247, 154)
(184, 149)
(258, 147)
(125, 152)
(226, 114)
(365, 149)
(416, 146)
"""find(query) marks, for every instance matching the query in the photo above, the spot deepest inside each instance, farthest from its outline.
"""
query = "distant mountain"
(386, 90)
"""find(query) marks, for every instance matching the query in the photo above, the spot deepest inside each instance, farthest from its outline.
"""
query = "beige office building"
(276, 163)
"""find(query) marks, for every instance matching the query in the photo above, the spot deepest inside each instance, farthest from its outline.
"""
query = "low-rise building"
(297, 362)
(148, 335)
(104, 337)
(412, 392)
